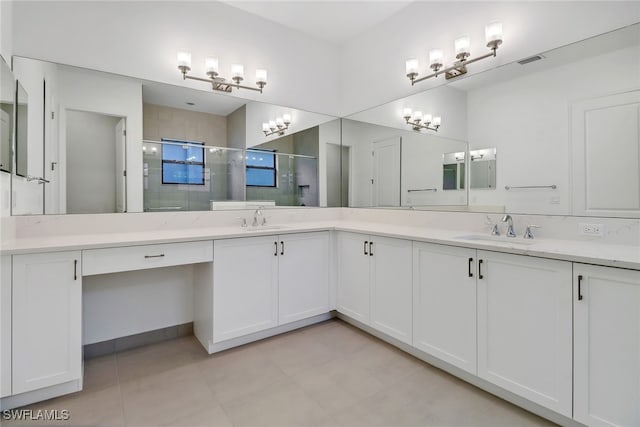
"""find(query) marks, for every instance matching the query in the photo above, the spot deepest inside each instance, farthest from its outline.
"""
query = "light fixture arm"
(278, 130)
(456, 69)
(219, 83)
(417, 125)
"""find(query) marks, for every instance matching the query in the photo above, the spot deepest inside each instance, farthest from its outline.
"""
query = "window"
(182, 164)
(261, 168)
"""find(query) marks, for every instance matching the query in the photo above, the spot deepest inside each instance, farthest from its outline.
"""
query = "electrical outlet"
(591, 229)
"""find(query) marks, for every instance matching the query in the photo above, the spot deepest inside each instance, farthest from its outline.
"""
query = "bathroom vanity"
(528, 320)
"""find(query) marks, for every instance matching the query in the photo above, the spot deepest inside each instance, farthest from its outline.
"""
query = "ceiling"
(329, 20)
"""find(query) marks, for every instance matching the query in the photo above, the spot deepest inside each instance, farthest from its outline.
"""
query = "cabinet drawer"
(113, 260)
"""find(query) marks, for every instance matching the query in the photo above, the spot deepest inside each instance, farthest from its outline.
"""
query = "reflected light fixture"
(417, 121)
(218, 82)
(493, 39)
(277, 126)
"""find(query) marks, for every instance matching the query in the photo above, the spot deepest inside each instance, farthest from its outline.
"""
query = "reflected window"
(182, 164)
(261, 168)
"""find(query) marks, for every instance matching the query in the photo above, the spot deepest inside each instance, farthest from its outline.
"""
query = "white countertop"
(623, 256)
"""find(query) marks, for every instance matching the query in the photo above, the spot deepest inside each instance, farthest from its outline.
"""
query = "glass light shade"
(437, 121)
(493, 32)
(435, 57)
(412, 66)
(427, 118)
(184, 59)
(272, 124)
(261, 76)
(237, 70)
(417, 116)
(211, 65)
(144, 148)
(406, 112)
(265, 127)
(286, 118)
(279, 122)
(462, 45)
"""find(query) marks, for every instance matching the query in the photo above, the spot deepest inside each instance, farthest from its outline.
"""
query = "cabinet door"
(245, 286)
(353, 276)
(444, 303)
(525, 327)
(607, 346)
(303, 276)
(47, 320)
(391, 287)
(5, 325)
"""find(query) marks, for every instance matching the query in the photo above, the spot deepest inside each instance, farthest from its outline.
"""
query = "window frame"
(273, 152)
(193, 144)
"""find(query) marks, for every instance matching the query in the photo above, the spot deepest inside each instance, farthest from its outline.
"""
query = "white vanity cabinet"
(606, 305)
(5, 325)
(525, 327)
(375, 282)
(303, 276)
(46, 320)
(444, 303)
(245, 286)
(262, 282)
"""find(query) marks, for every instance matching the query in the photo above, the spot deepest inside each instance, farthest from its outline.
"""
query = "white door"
(607, 346)
(245, 286)
(303, 266)
(391, 287)
(444, 303)
(385, 182)
(353, 276)
(606, 153)
(121, 161)
(47, 320)
(525, 327)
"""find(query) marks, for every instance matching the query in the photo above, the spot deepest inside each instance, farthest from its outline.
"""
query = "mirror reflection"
(7, 99)
(22, 131)
(566, 135)
(126, 145)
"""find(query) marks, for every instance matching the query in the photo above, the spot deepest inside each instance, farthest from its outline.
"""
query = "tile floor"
(329, 374)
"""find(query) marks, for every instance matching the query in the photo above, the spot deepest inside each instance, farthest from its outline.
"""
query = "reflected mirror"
(7, 102)
(566, 134)
(121, 144)
(22, 131)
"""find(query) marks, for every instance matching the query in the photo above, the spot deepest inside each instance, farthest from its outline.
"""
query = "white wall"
(111, 95)
(6, 30)
(373, 64)
(141, 39)
(421, 164)
(91, 162)
(528, 120)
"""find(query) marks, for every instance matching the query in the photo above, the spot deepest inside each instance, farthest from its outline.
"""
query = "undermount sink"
(264, 228)
(497, 239)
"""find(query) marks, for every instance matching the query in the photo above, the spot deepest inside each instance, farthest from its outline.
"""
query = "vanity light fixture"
(493, 38)
(277, 126)
(417, 121)
(218, 82)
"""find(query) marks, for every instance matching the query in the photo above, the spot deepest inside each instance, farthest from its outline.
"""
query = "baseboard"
(116, 345)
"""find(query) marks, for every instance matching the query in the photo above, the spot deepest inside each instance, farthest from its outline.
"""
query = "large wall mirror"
(119, 144)
(555, 133)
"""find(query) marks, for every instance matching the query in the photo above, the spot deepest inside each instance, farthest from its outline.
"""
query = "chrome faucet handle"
(243, 223)
(495, 231)
(264, 220)
(528, 234)
(509, 221)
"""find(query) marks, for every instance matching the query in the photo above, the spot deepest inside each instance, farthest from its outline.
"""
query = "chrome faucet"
(509, 221)
(256, 214)
(494, 226)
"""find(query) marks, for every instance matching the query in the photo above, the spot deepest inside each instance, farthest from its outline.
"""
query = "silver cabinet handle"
(154, 256)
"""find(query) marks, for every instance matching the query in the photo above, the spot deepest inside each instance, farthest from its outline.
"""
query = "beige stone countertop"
(623, 256)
